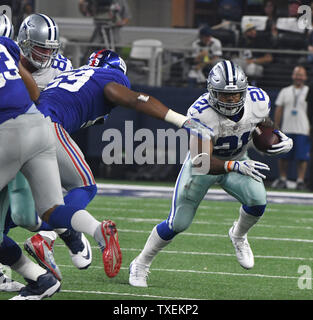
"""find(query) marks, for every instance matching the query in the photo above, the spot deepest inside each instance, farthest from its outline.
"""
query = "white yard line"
(126, 201)
(221, 254)
(212, 194)
(202, 222)
(127, 294)
(225, 236)
(247, 274)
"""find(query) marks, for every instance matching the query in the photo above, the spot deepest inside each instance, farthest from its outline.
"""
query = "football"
(264, 137)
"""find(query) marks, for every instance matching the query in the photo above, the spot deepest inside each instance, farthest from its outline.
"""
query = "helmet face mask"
(227, 85)
(38, 38)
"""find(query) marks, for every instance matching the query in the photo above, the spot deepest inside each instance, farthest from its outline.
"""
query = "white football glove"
(198, 129)
(284, 146)
(247, 168)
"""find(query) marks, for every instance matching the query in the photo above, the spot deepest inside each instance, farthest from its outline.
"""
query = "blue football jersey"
(15, 99)
(75, 99)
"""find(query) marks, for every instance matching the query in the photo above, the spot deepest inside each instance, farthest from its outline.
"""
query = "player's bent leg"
(188, 193)
(252, 195)
(42, 251)
(22, 203)
(238, 234)
(78, 245)
(104, 233)
(23, 214)
(78, 180)
(79, 248)
(80, 196)
(40, 283)
(45, 286)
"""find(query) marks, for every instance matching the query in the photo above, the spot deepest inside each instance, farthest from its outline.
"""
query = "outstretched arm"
(122, 96)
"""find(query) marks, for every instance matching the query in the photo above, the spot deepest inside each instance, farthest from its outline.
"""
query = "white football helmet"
(227, 77)
(38, 38)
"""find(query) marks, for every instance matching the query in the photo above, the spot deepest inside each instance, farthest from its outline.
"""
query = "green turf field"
(200, 263)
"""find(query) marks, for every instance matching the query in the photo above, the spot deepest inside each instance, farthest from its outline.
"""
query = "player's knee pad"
(254, 210)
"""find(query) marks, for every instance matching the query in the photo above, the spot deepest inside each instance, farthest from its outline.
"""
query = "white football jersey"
(44, 76)
(231, 139)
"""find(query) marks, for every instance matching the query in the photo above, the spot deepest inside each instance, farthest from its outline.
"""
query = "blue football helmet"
(107, 59)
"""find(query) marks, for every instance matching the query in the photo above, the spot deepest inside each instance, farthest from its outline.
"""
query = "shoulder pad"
(260, 102)
(201, 104)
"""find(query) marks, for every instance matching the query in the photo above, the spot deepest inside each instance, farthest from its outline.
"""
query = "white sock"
(245, 222)
(49, 236)
(153, 245)
(83, 221)
(60, 231)
(27, 268)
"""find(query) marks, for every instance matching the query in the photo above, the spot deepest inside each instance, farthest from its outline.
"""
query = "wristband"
(175, 118)
(228, 166)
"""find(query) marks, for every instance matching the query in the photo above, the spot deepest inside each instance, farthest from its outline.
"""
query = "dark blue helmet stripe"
(5, 31)
(226, 72)
(49, 27)
(7, 24)
(234, 72)
(55, 29)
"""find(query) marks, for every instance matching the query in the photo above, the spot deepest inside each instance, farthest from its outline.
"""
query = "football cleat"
(244, 253)
(9, 285)
(45, 286)
(39, 249)
(79, 248)
(107, 238)
(138, 274)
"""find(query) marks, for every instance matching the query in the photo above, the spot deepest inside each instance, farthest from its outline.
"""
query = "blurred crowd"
(250, 24)
(255, 27)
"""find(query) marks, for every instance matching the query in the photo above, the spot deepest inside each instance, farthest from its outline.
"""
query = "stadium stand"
(289, 48)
